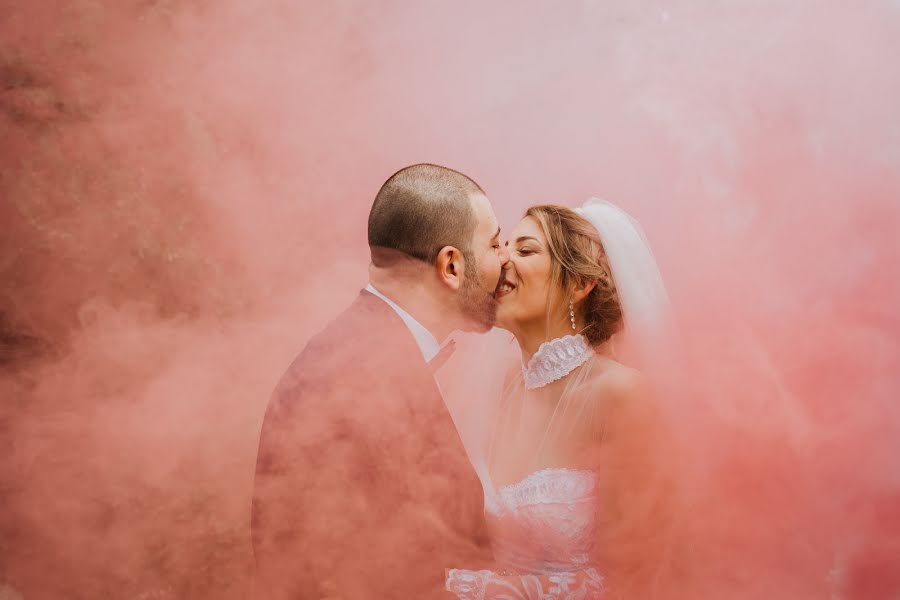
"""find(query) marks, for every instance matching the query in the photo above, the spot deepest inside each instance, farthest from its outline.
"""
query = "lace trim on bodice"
(545, 523)
(553, 485)
(555, 359)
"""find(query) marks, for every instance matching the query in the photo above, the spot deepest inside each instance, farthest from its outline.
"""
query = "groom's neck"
(409, 290)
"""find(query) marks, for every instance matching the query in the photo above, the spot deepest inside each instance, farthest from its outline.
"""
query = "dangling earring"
(572, 314)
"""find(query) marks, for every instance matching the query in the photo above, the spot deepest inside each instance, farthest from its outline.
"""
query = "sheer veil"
(643, 297)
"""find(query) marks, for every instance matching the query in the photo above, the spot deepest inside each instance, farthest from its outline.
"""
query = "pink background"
(184, 188)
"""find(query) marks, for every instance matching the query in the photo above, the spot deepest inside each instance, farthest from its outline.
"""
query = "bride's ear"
(582, 289)
(449, 265)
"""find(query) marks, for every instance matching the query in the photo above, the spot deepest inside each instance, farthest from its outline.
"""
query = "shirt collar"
(427, 343)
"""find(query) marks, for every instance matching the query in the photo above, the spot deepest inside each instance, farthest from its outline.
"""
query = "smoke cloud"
(184, 189)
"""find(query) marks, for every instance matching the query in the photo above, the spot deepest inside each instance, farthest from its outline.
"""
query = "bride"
(577, 495)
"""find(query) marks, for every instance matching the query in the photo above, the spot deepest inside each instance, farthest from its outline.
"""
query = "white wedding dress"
(542, 534)
(542, 527)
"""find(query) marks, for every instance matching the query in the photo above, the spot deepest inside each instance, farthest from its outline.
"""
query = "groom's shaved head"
(422, 208)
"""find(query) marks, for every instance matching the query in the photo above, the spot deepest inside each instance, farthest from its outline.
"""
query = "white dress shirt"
(427, 343)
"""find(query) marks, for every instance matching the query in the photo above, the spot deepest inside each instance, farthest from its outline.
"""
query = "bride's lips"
(504, 289)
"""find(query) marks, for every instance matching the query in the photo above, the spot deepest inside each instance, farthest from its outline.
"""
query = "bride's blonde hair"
(577, 257)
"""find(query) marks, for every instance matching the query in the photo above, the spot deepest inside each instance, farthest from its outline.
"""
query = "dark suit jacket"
(363, 489)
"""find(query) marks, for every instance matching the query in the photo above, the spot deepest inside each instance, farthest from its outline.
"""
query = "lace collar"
(555, 359)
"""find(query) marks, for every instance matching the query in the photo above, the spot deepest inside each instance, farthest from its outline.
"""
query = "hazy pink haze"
(184, 188)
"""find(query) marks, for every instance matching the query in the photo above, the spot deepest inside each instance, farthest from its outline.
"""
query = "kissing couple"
(364, 486)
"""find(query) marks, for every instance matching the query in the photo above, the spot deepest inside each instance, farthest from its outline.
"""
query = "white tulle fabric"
(542, 533)
(544, 526)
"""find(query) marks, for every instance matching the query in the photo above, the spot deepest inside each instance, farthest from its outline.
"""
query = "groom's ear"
(449, 265)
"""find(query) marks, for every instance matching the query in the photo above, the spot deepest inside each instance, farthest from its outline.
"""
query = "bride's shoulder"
(612, 379)
(621, 393)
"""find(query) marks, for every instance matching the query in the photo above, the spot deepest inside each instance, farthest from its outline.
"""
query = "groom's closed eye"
(495, 241)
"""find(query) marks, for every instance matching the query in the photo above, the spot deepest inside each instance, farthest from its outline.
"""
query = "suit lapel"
(406, 357)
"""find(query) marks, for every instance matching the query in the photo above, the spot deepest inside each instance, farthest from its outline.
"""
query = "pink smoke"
(184, 193)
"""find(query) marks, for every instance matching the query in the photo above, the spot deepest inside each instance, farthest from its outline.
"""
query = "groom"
(363, 488)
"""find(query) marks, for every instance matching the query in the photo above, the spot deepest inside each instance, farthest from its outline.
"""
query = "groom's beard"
(476, 298)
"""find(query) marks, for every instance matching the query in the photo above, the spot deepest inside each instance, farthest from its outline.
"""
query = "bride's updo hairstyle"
(577, 256)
